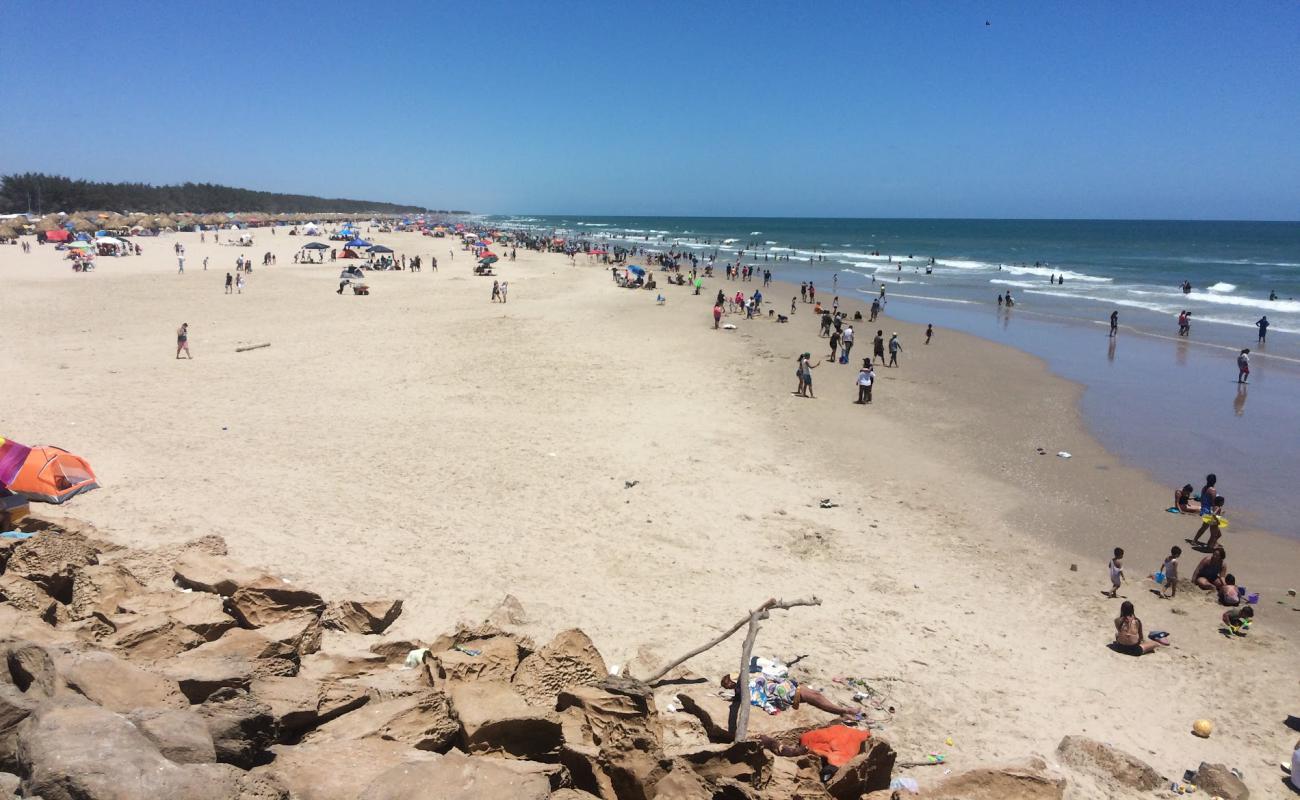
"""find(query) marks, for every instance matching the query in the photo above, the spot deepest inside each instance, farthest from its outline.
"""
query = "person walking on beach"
(1263, 329)
(1114, 322)
(846, 341)
(878, 347)
(1116, 569)
(929, 331)
(1185, 323)
(496, 291)
(826, 324)
(180, 264)
(205, 263)
(875, 309)
(803, 292)
(792, 306)
(1243, 366)
(505, 287)
(894, 347)
(717, 314)
(1170, 570)
(230, 283)
(866, 377)
(239, 284)
(183, 341)
(835, 345)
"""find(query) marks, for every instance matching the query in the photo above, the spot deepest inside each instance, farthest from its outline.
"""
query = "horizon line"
(935, 218)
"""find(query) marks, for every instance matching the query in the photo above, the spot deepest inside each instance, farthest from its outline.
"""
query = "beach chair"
(360, 288)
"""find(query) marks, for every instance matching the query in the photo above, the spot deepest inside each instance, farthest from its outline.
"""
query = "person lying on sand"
(1130, 637)
(775, 695)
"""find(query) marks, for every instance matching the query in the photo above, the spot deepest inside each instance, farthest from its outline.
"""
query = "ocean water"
(1136, 267)
(1168, 404)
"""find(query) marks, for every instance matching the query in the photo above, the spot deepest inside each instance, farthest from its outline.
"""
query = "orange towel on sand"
(838, 744)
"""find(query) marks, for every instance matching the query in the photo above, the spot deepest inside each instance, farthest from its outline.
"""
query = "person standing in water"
(1263, 329)
(1114, 322)
(1243, 366)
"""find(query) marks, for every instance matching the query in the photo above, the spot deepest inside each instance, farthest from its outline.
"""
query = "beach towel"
(838, 744)
(12, 457)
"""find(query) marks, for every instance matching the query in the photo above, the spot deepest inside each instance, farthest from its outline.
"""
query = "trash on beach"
(416, 657)
(1063, 454)
(630, 484)
(1074, 567)
(909, 784)
(728, 327)
(469, 651)
(826, 503)
(1290, 592)
(15, 535)
(1203, 728)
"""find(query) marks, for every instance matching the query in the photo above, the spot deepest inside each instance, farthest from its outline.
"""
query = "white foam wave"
(1263, 304)
(1222, 287)
(1047, 272)
(1022, 284)
(961, 263)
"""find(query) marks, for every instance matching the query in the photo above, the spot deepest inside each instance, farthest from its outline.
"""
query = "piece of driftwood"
(252, 347)
(761, 610)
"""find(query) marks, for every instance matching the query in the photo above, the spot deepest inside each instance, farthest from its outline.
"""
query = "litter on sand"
(1063, 454)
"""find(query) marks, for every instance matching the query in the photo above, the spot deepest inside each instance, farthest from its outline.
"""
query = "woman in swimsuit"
(1130, 638)
(183, 340)
(1209, 572)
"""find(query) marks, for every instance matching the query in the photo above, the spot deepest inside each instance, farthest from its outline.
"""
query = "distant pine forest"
(37, 193)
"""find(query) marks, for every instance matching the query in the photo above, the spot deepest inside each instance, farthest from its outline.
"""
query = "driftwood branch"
(741, 701)
(763, 609)
(252, 347)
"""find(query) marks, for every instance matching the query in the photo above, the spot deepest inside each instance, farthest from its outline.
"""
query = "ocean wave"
(755, 233)
(1047, 272)
(961, 263)
(1023, 285)
(1222, 287)
(1263, 304)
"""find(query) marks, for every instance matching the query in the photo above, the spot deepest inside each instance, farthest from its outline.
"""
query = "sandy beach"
(620, 466)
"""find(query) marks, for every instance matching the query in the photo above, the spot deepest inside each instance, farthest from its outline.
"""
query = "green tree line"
(37, 193)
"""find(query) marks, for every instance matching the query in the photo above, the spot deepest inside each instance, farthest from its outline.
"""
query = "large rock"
(30, 667)
(50, 560)
(233, 661)
(241, 726)
(301, 704)
(341, 655)
(746, 762)
(117, 684)
(85, 752)
(1028, 779)
(492, 659)
(267, 601)
(215, 574)
(15, 706)
(201, 613)
(181, 735)
(148, 638)
(457, 777)
(1216, 780)
(9, 784)
(496, 720)
(424, 721)
(570, 659)
(99, 588)
(23, 594)
(339, 770)
(19, 625)
(868, 771)
(361, 616)
(1107, 762)
(616, 711)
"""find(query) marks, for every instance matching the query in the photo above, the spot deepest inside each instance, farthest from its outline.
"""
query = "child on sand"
(1229, 594)
(1239, 619)
(1116, 568)
(1170, 571)
(929, 331)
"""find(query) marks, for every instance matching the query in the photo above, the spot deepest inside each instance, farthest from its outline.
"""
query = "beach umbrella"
(315, 246)
(379, 248)
(80, 246)
(635, 270)
(488, 260)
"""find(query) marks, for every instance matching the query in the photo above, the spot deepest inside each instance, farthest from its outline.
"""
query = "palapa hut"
(50, 222)
(83, 225)
(7, 232)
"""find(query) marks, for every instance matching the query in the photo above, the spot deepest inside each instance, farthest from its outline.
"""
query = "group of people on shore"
(1210, 575)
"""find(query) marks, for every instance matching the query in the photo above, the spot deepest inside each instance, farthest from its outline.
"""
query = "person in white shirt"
(866, 377)
(846, 341)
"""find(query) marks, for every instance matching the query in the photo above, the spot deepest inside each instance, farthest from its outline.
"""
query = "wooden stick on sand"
(252, 347)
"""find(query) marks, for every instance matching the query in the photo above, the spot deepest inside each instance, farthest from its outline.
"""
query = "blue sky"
(1055, 109)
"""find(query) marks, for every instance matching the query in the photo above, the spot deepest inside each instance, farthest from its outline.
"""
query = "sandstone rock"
(1114, 765)
(301, 704)
(682, 783)
(241, 726)
(496, 720)
(268, 600)
(1028, 779)
(232, 661)
(361, 616)
(9, 784)
(497, 660)
(612, 713)
(86, 752)
(181, 735)
(338, 770)
(394, 651)
(201, 613)
(746, 762)
(31, 668)
(1216, 780)
(215, 574)
(50, 559)
(341, 655)
(508, 612)
(424, 721)
(22, 594)
(148, 638)
(575, 794)
(570, 659)
(868, 771)
(456, 777)
(15, 706)
(117, 684)
(18, 625)
(100, 588)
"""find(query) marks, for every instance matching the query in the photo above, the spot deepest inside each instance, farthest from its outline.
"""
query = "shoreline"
(509, 434)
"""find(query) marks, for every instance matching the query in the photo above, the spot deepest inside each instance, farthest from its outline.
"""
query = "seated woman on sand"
(1183, 500)
(774, 695)
(1130, 637)
(1210, 572)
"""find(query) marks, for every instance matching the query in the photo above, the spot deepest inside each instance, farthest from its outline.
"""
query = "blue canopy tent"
(358, 243)
(379, 248)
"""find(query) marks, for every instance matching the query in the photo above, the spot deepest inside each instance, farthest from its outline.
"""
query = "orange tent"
(53, 475)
